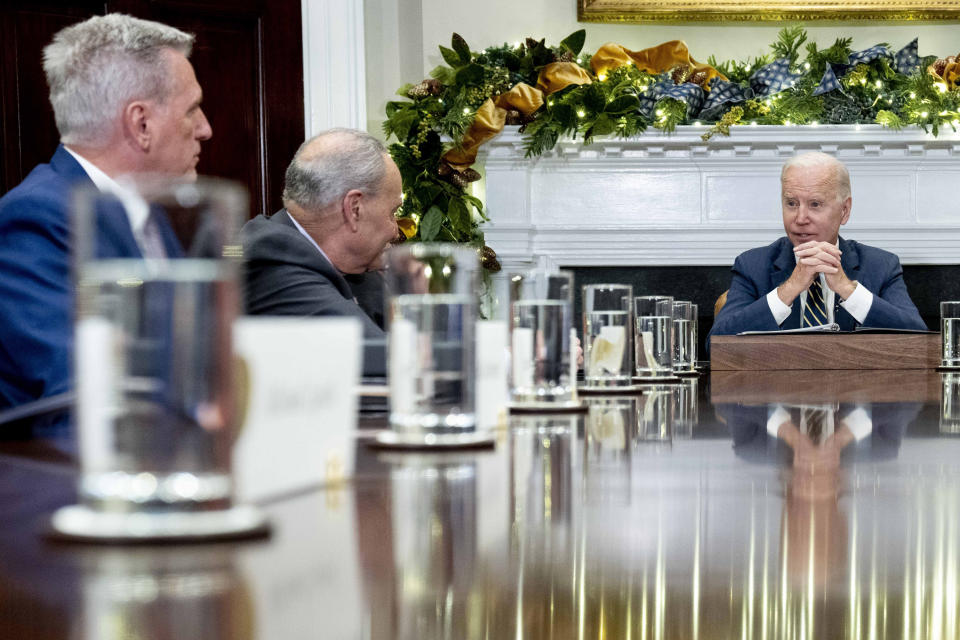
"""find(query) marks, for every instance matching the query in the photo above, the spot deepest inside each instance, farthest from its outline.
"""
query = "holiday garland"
(558, 91)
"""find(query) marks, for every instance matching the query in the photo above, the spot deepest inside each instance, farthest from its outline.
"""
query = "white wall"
(402, 36)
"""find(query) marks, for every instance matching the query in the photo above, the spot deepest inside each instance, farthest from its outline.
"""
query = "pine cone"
(940, 65)
(680, 73)
(699, 78)
(566, 56)
(488, 258)
(429, 87)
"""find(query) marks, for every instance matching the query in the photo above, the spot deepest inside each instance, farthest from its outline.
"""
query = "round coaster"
(389, 439)
(648, 380)
(609, 391)
(80, 523)
(571, 406)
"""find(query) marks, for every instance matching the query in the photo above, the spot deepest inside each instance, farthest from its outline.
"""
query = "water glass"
(950, 334)
(654, 336)
(157, 408)
(684, 337)
(433, 312)
(540, 326)
(608, 334)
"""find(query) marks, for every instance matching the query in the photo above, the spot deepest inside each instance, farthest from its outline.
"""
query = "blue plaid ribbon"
(828, 83)
(687, 92)
(907, 59)
(773, 78)
(721, 92)
(869, 55)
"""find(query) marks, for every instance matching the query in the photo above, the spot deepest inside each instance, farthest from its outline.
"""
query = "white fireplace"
(673, 199)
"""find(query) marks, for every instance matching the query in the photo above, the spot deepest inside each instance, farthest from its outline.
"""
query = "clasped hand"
(813, 258)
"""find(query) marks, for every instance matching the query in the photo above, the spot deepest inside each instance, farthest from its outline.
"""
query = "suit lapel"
(850, 261)
(326, 267)
(783, 266)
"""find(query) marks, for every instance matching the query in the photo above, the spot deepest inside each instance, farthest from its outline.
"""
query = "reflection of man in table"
(811, 276)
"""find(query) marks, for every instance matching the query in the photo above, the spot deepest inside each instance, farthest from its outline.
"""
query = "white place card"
(299, 377)
(492, 370)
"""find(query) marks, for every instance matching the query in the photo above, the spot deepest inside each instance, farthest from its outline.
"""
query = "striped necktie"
(815, 311)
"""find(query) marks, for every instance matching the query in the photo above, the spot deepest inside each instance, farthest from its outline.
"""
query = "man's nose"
(803, 214)
(204, 130)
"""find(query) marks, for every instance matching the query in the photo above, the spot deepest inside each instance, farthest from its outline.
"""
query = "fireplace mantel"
(673, 199)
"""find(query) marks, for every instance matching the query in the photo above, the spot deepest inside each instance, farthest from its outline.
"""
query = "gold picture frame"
(764, 10)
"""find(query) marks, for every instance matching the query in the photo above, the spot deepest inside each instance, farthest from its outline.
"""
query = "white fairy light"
(466, 111)
(924, 114)
(581, 113)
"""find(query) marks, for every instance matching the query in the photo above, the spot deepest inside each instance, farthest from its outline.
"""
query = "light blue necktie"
(815, 311)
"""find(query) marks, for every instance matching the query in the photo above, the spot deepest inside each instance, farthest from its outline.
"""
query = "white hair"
(841, 177)
(332, 163)
(97, 66)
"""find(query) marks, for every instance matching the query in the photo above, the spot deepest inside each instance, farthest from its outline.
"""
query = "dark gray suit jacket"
(287, 276)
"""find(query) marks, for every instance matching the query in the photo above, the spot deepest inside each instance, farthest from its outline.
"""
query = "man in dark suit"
(812, 276)
(341, 193)
(126, 101)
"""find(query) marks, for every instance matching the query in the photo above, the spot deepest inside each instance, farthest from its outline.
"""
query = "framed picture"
(760, 10)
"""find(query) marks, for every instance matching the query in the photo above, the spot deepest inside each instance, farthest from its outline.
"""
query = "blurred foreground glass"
(684, 336)
(654, 336)
(608, 335)
(950, 334)
(433, 311)
(157, 408)
(541, 318)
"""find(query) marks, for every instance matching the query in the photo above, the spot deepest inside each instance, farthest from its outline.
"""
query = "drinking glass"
(684, 337)
(608, 334)
(156, 408)
(654, 336)
(433, 308)
(541, 320)
(950, 334)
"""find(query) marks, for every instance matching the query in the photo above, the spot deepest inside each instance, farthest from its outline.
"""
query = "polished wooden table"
(672, 514)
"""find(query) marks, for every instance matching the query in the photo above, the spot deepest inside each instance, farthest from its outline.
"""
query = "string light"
(863, 81)
(912, 95)
(806, 65)
(924, 114)
(466, 111)
(814, 124)
(601, 77)
(753, 123)
(549, 103)
(659, 112)
(941, 87)
(581, 113)
(787, 123)
(698, 124)
(878, 84)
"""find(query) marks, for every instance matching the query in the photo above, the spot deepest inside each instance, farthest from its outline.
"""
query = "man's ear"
(351, 205)
(136, 124)
(847, 205)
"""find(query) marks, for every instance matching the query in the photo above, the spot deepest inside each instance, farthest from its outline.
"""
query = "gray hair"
(841, 176)
(97, 66)
(332, 163)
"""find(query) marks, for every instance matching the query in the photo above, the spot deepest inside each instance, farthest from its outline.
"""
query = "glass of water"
(950, 333)
(950, 403)
(653, 336)
(684, 337)
(608, 335)
(541, 320)
(433, 311)
(157, 276)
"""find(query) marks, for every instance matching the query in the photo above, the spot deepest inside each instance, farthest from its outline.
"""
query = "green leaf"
(603, 126)
(430, 224)
(460, 46)
(472, 74)
(446, 75)
(593, 98)
(512, 61)
(622, 104)
(574, 41)
(459, 215)
(450, 57)
(402, 122)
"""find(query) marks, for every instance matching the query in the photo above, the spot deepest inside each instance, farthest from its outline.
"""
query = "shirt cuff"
(859, 423)
(859, 303)
(778, 416)
(780, 310)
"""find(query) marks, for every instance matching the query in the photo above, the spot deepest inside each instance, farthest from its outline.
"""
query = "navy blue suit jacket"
(759, 271)
(36, 290)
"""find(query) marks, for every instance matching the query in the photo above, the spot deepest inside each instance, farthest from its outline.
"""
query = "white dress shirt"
(136, 207)
(859, 421)
(857, 305)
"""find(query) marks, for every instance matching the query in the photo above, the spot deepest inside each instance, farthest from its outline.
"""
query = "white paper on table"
(606, 354)
(301, 415)
(402, 364)
(492, 395)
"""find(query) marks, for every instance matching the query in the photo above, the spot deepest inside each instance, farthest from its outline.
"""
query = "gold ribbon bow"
(654, 60)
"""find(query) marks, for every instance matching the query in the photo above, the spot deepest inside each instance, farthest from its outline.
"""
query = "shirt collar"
(137, 209)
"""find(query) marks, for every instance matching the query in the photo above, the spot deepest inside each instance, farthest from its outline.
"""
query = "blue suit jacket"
(36, 291)
(759, 271)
